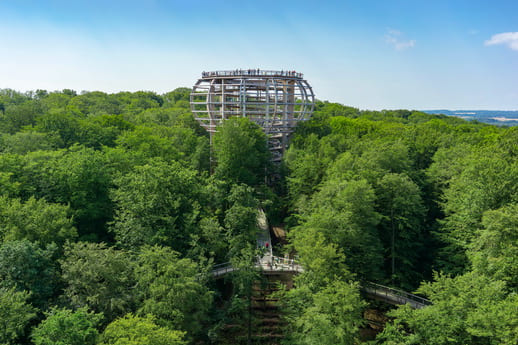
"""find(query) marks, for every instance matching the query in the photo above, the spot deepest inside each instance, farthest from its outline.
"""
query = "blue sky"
(437, 54)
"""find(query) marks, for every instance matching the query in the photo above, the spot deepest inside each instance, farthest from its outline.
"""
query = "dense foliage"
(114, 208)
(403, 195)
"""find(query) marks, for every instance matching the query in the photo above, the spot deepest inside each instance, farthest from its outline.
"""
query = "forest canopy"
(114, 209)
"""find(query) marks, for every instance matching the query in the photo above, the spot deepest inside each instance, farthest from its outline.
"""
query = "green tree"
(173, 289)
(102, 130)
(26, 267)
(98, 277)
(241, 152)
(23, 142)
(241, 219)
(465, 310)
(15, 314)
(306, 169)
(35, 220)
(244, 276)
(67, 327)
(332, 316)
(64, 126)
(495, 323)
(80, 178)
(487, 181)
(156, 204)
(344, 212)
(77, 177)
(17, 116)
(142, 100)
(325, 305)
(8, 188)
(399, 202)
(134, 330)
(54, 101)
(169, 144)
(93, 131)
(494, 252)
(95, 102)
(178, 94)
(323, 261)
(381, 157)
(28, 172)
(210, 241)
(426, 137)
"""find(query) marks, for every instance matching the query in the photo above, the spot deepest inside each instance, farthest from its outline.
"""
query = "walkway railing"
(276, 264)
(394, 296)
(372, 290)
(279, 264)
(222, 269)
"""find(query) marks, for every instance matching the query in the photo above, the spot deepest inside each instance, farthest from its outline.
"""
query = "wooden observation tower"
(275, 100)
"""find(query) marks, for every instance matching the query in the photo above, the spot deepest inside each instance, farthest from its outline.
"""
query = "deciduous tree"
(26, 267)
(172, 289)
(15, 314)
(241, 152)
(156, 204)
(134, 330)
(98, 277)
(67, 327)
(36, 221)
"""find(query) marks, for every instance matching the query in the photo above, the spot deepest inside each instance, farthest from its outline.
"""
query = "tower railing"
(252, 72)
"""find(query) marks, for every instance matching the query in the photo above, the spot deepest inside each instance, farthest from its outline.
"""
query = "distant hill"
(494, 117)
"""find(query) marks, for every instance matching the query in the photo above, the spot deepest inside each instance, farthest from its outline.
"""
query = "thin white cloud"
(393, 37)
(394, 32)
(509, 39)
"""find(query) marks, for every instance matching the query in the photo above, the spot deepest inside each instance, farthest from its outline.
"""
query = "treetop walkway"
(277, 265)
(270, 264)
(393, 296)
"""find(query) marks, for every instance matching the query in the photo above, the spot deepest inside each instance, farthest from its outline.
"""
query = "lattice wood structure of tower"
(275, 100)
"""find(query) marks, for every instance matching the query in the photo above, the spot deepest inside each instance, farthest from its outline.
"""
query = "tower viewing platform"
(252, 72)
(275, 100)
